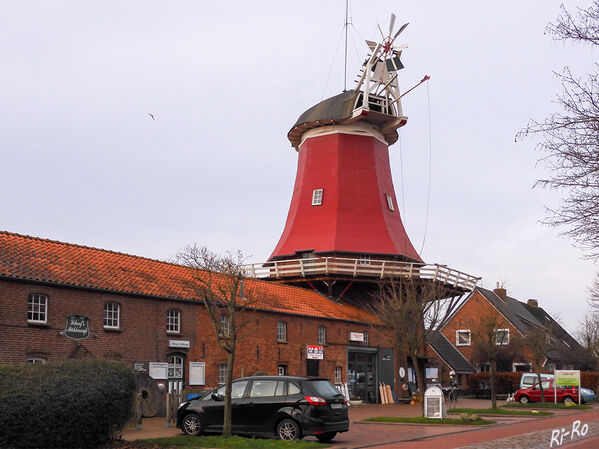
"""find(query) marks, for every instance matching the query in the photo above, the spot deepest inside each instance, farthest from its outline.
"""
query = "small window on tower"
(390, 202)
(317, 197)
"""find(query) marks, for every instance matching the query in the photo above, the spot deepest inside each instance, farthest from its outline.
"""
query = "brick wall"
(143, 337)
(467, 318)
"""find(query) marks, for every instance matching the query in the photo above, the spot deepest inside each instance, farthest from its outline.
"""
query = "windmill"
(379, 76)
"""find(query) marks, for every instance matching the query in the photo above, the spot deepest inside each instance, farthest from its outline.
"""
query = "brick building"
(142, 311)
(515, 321)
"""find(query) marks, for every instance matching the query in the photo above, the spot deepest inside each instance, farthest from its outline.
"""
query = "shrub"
(68, 404)
(505, 383)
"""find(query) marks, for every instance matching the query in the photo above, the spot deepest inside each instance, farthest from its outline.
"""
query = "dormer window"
(317, 197)
(390, 202)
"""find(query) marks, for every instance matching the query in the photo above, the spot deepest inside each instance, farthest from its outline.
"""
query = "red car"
(533, 394)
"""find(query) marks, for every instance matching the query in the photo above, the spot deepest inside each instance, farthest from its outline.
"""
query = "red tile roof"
(35, 259)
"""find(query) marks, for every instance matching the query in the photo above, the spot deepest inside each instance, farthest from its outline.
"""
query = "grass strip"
(498, 411)
(423, 420)
(235, 442)
(533, 405)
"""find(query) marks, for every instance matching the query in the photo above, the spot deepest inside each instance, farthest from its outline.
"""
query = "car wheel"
(523, 399)
(288, 429)
(568, 400)
(326, 437)
(192, 425)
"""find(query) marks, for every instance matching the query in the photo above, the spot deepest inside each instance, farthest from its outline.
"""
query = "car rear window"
(322, 388)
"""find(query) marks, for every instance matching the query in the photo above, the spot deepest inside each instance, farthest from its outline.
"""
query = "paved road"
(509, 432)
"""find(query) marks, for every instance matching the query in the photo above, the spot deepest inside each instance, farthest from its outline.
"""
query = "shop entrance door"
(361, 377)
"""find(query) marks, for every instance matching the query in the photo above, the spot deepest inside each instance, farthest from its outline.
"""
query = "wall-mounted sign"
(140, 367)
(197, 373)
(402, 372)
(158, 370)
(315, 352)
(179, 344)
(356, 336)
(77, 327)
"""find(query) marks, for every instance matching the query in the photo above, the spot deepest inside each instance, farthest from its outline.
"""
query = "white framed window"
(483, 367)
(282, 370)
(222, 373)
(366, 342)
(390, 204)
(338, 372)
(37, 308)
(463, 337)
(225, 325)
(317, 197)
(364, 259)
(502, 337)
(173, 321)
(36, 360)
(282, 331)
(175, 367)
(322, 335)
(112, 315)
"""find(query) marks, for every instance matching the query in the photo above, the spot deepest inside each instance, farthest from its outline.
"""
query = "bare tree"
(486, 347)
(538, 342)
(588, 337)
(570, 137)
(410, 309)
(220, 285)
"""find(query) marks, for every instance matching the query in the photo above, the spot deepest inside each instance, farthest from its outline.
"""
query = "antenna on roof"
(345, 63)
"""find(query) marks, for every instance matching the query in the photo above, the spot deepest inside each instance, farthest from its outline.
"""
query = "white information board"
(158, 370)
(197, 373)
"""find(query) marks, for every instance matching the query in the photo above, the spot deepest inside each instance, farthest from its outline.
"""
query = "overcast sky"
(83, 161)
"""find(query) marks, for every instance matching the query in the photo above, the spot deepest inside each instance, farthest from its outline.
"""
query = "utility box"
(434, 403)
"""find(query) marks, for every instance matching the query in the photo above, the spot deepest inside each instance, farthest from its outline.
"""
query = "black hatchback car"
(284, 406)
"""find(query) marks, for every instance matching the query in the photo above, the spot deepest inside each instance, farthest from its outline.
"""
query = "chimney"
(501, 292)
(533, 303)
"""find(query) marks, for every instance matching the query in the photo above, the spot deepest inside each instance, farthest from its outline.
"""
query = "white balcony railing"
(301, 268)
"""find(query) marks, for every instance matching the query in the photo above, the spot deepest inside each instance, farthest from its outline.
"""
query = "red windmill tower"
(343, 228)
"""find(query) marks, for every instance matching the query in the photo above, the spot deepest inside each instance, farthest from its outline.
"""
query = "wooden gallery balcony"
(317, 268)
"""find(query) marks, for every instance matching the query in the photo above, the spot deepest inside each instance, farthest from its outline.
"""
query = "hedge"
(508, 382)
(69, 404)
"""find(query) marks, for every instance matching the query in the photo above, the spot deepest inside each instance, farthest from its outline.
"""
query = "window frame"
(33, 311)
(366, 341)
(322, 335)
(365, 259)
(222, 373)
(338, 374)
(502, 342)
(225, 325)
(34, 360)
(390, 204)
(175, 366)
(457, 338)
(282, 331)
(173, 321)
(317, 197)
(109, 315)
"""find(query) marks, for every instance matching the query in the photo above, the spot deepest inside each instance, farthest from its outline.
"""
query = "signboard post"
(434, 403)
(563, 378)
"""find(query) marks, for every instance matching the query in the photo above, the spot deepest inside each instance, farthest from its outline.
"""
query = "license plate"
(336, 405)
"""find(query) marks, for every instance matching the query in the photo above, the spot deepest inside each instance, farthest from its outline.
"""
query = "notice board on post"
(197, 373)
(566, 378)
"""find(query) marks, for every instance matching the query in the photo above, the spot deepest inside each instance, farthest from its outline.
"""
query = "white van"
(527, 380)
